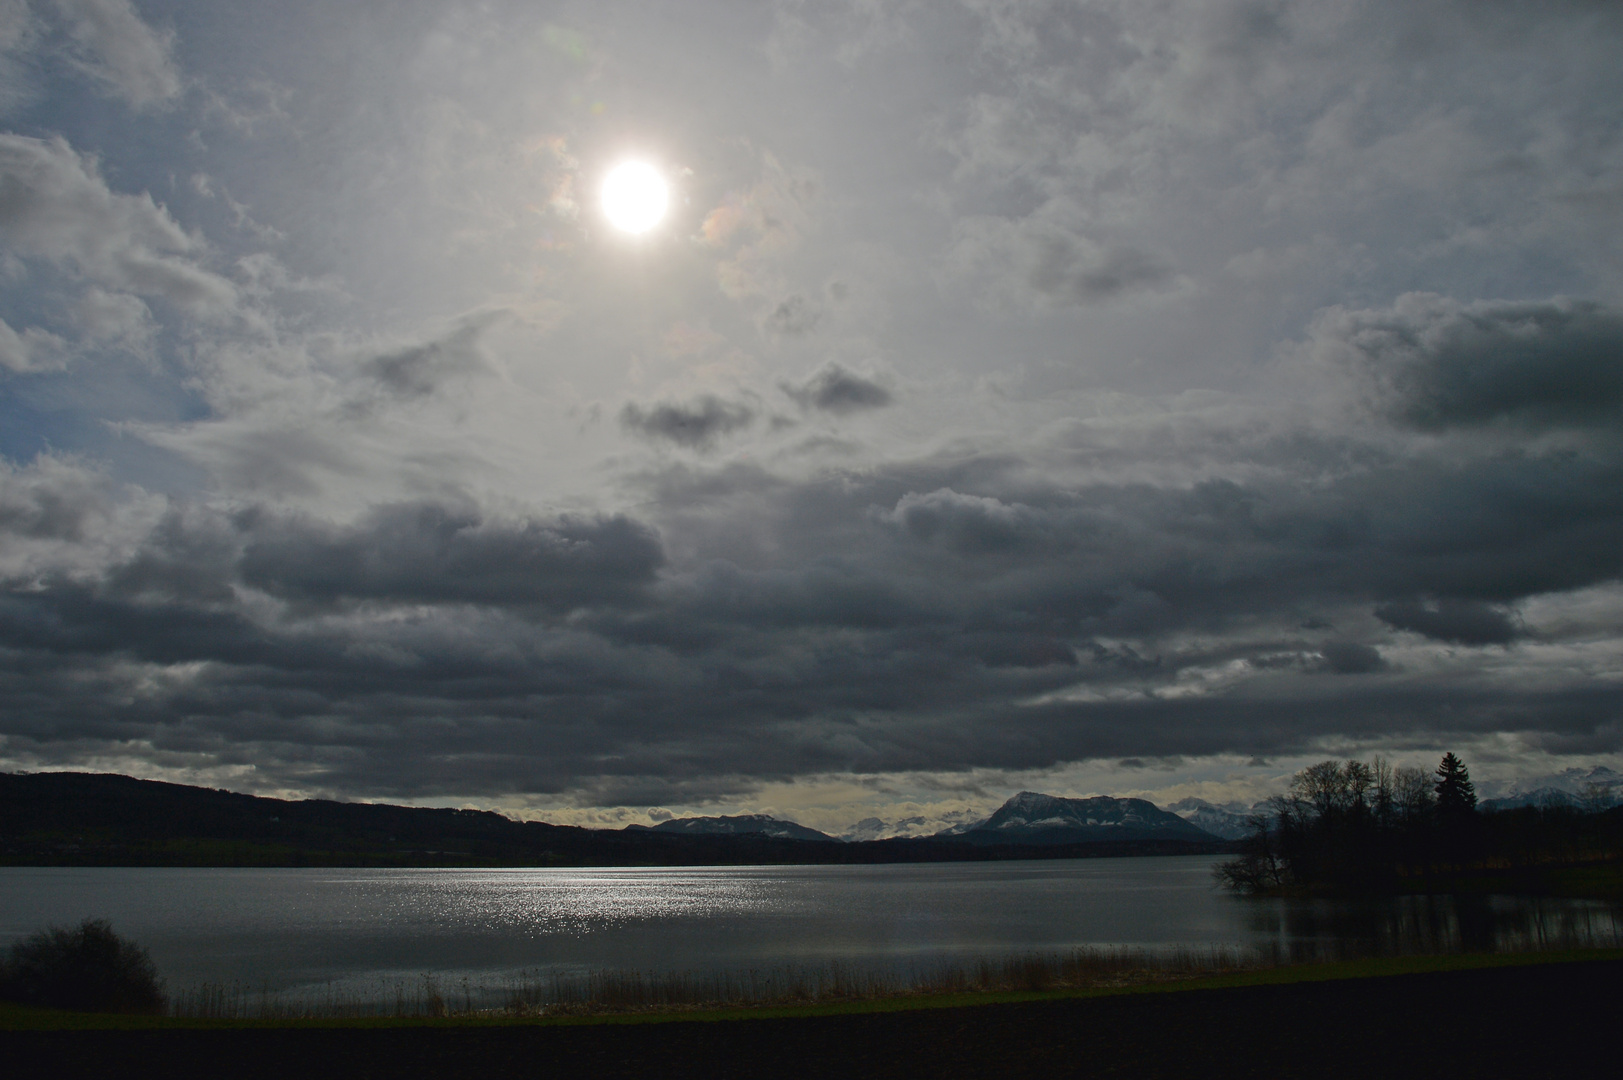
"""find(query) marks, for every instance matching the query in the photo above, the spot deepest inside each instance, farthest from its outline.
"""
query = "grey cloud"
(438, 553)
(1018, 650)
(1433, 363)
(973, 524)
(1101, 558)
(286, 459)
(1042, 260)
(1352, 658)
(1459, 622)
(420, 370)
(117, 47)
(1076, 273)
(696, 424)
(836, 389)
(862, 626)
(187, 559)
(52, 499)
(795, 316)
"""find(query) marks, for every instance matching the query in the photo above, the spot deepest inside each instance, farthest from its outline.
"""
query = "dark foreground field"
(1524, 1021)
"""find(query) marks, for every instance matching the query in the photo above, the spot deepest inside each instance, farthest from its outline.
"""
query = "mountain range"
(1028, 818)
(1595, 787)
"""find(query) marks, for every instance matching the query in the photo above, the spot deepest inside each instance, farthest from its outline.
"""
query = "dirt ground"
(1524, 1022)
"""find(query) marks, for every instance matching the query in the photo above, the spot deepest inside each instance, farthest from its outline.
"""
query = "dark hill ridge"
(1031, 818)
(66, 819)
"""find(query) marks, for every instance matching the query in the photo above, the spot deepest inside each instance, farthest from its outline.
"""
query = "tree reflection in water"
(1301, 930)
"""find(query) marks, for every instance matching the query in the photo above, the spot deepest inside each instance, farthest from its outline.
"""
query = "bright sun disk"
(635, 196)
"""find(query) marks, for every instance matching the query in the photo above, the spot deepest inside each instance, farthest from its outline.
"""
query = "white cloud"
(114, 45)
(32, 350)
(118, 319)
(54, 205)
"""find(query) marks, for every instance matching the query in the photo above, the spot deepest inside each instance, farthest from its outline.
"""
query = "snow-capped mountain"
(1032, 818)
(1569, 787)
(1227, 821)
(740, 825)
(879, 829)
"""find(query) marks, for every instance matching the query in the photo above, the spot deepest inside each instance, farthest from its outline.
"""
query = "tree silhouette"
(88, 969)
(1456, 797)
(1345, 828)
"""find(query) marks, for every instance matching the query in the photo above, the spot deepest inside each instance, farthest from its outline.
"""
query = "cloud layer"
(1015, 390)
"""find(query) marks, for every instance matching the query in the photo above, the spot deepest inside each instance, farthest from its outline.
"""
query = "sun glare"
(634, 196)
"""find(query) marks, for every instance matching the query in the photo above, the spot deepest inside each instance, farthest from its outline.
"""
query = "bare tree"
(1411, 792)
(1385, 797)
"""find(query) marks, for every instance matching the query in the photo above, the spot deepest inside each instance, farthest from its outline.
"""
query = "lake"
(296, 931)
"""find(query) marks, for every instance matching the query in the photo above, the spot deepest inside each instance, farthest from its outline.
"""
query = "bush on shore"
(86, 969)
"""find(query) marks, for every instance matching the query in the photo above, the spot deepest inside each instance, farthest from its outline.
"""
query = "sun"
(635, 196)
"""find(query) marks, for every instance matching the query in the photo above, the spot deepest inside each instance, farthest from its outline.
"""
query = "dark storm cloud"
(835, 389)
(873, 619)
(979, 524)
(1352, 658)
(1434, 364)
(696, 424)
(437, 553)
(1460, 622)
(189, 557)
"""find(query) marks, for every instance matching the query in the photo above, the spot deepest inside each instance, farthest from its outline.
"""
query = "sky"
(1138, 398)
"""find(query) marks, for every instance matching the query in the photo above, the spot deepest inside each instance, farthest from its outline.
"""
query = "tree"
(1385, 799)
(1597, 797)
(1329, 787)
(88, 969)
(1455, 794)
(1412, 793)
(1259, 869)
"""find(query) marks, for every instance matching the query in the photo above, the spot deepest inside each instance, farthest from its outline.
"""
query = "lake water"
(293, 930)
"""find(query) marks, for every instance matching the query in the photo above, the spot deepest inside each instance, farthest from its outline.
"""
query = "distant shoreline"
(83, 819)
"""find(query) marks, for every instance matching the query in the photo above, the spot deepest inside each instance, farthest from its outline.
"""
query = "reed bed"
(539, 993)
(535, 993)
(1418, 928)
(621, 991)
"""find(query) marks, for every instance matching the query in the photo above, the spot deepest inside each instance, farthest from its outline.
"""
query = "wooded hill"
(90, 819)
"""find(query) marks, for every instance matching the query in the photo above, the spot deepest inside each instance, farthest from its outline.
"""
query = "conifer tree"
(1455, 793)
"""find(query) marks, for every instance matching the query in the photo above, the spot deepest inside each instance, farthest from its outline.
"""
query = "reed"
(578, 992)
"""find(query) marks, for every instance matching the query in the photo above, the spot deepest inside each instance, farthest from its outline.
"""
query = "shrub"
(87, 969)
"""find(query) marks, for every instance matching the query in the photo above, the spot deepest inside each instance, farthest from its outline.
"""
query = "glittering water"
(294, 929)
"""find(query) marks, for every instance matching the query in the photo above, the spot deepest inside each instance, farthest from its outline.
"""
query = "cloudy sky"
(1090, 397)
